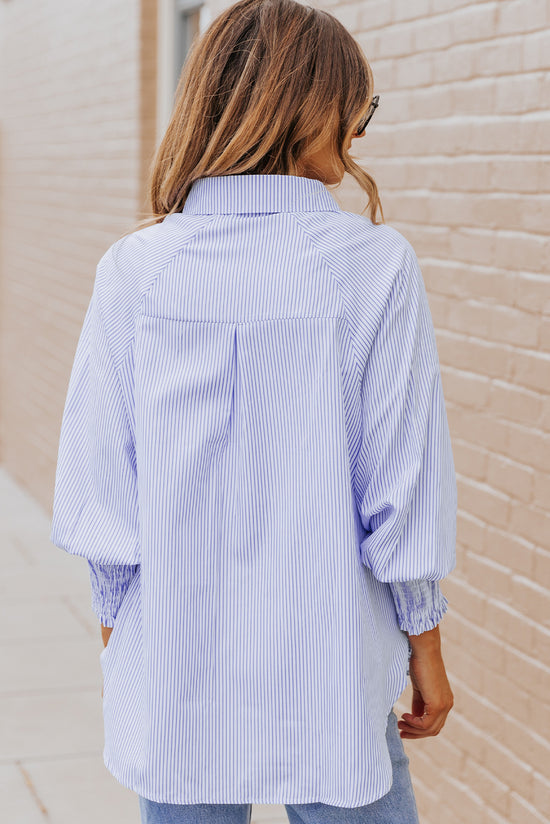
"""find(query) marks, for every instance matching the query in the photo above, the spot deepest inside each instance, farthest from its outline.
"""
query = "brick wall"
(71, 164)
(459, 147)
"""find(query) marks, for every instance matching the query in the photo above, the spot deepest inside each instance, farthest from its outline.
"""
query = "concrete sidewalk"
(51, 723)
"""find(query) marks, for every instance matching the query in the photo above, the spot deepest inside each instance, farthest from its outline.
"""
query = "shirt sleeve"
(109, 583)
(95, 512)
(407, 485)
(420, 605)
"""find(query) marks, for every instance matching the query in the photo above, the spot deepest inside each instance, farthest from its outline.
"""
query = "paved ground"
(51, 723)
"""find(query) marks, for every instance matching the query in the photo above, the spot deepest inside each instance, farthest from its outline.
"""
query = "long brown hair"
(269, 83)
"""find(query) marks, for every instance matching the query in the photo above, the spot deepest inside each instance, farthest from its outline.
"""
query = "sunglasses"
(363, 125)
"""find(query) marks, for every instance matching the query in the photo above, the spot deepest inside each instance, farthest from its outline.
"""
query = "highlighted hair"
(269, 83)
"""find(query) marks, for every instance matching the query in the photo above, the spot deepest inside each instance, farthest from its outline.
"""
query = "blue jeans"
(398, 806)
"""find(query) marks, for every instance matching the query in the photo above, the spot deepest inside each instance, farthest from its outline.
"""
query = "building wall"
(459, 147)
(71, 172)
(148, 96)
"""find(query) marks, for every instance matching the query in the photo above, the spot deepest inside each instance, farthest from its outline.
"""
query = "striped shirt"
(255, 460)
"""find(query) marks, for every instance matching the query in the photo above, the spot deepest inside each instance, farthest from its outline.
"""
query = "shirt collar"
(258, 193)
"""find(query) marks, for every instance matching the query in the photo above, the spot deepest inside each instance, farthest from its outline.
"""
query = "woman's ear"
(354, 136)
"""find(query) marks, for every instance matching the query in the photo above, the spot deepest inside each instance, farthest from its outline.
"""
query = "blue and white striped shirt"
(256, 462)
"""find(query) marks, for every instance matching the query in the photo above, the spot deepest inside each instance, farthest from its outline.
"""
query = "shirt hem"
(315, 799)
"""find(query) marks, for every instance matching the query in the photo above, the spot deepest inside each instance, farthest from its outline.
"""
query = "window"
(178, 23)
(187, 25)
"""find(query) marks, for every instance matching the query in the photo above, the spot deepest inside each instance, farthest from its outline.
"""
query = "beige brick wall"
(459, 147)
(72, 156)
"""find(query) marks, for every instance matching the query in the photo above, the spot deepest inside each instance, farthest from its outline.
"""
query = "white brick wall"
(459, 148)
(69, 185)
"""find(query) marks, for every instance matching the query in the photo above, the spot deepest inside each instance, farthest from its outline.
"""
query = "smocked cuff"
(109, 584)
(420, 605)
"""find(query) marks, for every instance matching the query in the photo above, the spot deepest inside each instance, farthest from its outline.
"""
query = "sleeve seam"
(146, 292)
(335, 280)
(142, 297)
(360, 371)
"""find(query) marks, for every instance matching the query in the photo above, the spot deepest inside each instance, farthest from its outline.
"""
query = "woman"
(254, 454)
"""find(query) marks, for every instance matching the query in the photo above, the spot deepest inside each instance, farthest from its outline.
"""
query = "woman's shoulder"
(131, 264)
(380, 239)
(126, 271)
(139, 255)
(352, 240)
(365, 258)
